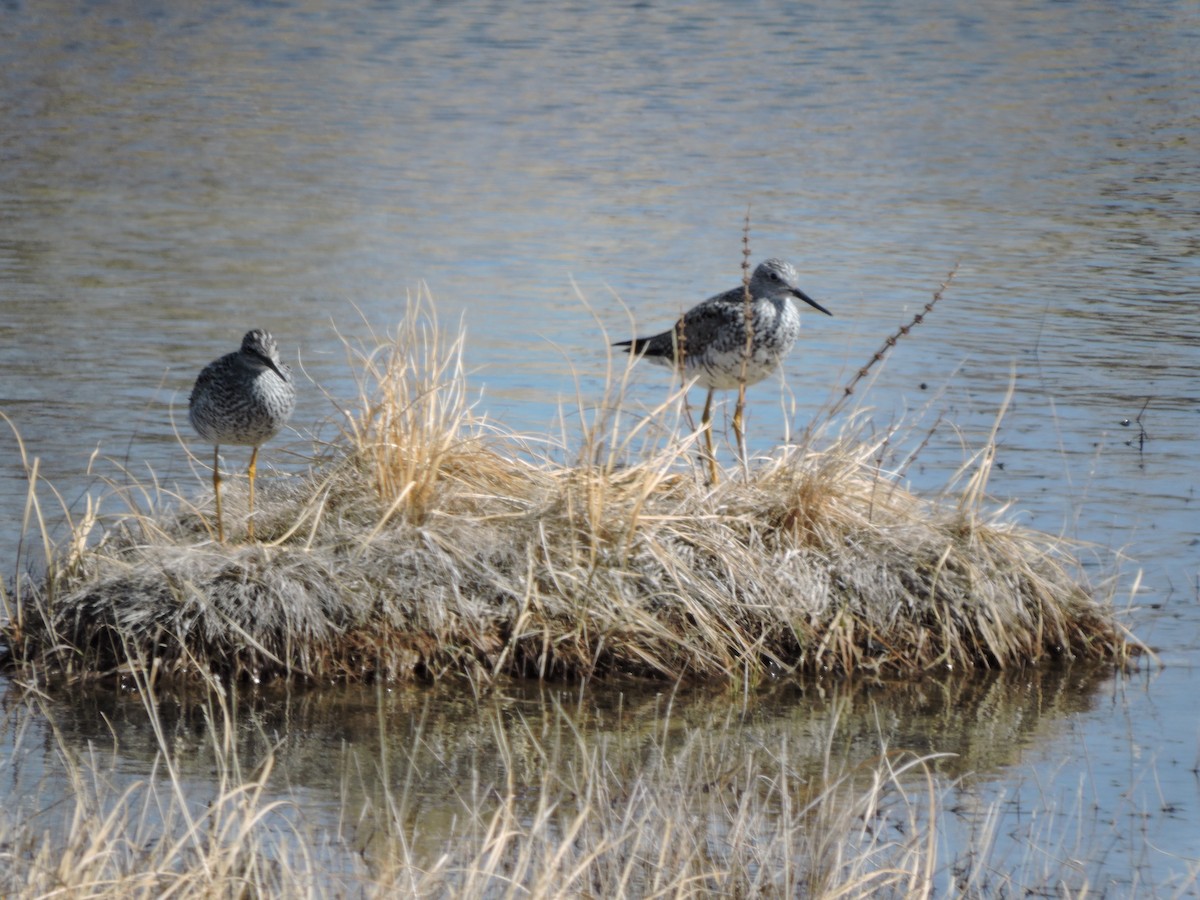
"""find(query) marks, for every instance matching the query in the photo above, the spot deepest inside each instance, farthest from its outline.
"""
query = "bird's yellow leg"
(706, 424)
(739, 431)
(250, 520)
(217, 491)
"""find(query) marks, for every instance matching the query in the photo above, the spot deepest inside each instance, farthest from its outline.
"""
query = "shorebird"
(243, 398)
(712, 344)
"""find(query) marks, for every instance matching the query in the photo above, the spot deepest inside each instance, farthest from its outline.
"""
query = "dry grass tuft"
(425, 543)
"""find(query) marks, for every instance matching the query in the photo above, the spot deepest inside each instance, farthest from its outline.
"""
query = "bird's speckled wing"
(717, 324)
(709, 324)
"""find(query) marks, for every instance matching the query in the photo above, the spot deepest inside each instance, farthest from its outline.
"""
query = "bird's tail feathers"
(638, 346)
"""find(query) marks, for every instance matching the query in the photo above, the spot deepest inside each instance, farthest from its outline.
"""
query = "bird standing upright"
(712, 344)
(243, 398)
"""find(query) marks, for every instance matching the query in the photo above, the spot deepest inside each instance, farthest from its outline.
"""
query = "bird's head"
(260, 346)
(775, 278)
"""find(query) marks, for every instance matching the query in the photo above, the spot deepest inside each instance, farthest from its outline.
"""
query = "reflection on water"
(442, 756)
(983, 723)
(177, 173)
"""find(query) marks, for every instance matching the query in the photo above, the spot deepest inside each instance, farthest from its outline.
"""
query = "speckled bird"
(243, 398)
(709, 342)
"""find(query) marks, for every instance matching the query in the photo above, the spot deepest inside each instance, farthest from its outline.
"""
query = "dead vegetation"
(423, 542)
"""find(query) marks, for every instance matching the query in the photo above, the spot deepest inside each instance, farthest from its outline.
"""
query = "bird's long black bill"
(813, 303)
(270, 364)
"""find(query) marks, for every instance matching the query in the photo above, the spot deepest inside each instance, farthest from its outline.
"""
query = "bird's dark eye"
(774, 276)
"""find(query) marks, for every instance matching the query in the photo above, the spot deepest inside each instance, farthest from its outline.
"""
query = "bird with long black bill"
(712, 344)
(243, 398)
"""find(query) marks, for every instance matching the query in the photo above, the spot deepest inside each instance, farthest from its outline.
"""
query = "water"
(174, 175)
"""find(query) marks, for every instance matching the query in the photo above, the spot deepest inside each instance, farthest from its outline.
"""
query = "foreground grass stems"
(542, 809)
(536, 791)
(426, 542)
